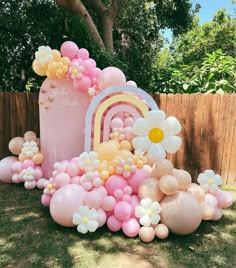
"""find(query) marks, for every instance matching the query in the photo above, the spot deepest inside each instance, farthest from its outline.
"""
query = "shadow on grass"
(30, 238)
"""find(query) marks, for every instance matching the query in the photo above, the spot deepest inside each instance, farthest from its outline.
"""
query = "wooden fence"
(208, 128)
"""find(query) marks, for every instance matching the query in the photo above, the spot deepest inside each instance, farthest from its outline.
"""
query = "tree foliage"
(201, 60)
(135, 32)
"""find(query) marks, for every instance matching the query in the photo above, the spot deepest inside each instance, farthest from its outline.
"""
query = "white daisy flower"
(209, 181)
(76, 71)
(30, 148)
(86, 219)
(91, 91)
(44, 54)
(148, 212)
(155, 135)
(28, 174)
(88, 161)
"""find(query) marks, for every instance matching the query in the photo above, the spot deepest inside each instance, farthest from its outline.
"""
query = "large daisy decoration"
(156, 135)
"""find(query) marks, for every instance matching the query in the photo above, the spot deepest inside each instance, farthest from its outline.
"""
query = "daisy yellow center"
(87, 162)
(126, 167)
(75, 71)
(116, 134)
(210, 182)
(85, 220)
(156, 135)
(149, 213)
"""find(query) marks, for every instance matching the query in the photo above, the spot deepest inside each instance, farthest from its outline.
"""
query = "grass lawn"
(30, 238)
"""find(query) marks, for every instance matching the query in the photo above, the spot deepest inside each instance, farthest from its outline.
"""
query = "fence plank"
(228, 141)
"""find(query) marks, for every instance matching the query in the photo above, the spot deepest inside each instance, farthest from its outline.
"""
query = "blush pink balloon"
(131, 83)
(122, 210)
(65, 202)
(29, 185)
(111, 76)
(75, 180)
(87, 66)
(131, 227)
(82, 84)
(135, 201)
(224, 199)
(217, 214)
(83, 54)
(15, 145)
(211, 199)
(62, 179)
(113, 223)
(16, 167)
(93, 199)
(69, 49)
(45, 200)
(115, 182)
(117, 122)
(41, 183)
(6, 168)
(27, 164)
(93, 62)
(95, 72)
(136, 179)
(72, 169)
(108, 203)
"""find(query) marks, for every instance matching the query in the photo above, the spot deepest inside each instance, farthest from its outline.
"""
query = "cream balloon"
(183, 177)
(162, 167)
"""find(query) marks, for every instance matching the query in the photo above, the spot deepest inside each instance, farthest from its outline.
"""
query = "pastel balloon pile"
(73, 63)
(26, 167)
(124, 180)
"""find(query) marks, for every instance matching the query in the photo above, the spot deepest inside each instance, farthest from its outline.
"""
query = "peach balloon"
(161, 231)
(15, 145)
(161, 168)
(23, 157)
(126, 145)
(65, 202)
(30, 136)
(181, 213)
(197, 191)
(106, 151)
(183, 177)
(217, 214)
(149, 188)
(168, 185)
(146, 234)
(208, 211)
(38, 158)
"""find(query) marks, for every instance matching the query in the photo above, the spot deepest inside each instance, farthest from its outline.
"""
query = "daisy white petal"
(141, 127)
(155, 118)
(82, 228)
(171, 126)
(142, 143)
(92, 226)
(171, 144)
(145, 220)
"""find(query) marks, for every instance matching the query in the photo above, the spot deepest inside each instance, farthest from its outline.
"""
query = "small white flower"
(155, 135)
(91, 180)
(139, 152)
(28, 174)
(148, 212)
(88, 161)
(209, 181)
(86, 219)
(76, 71)
(30, 148)
(44, 54)
(91, 91)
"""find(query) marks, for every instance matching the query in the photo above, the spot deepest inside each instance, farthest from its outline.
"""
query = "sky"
(209, 9)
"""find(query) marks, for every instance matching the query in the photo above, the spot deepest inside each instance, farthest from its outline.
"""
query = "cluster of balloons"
(26, 167)
(151, 201)
(73, 63)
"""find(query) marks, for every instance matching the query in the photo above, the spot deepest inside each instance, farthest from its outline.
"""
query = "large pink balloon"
(5, 168)
(136, 179)
(65, 202)
(82, 84)
(224, 199)
(115, 182)
(69, 49)
(181, 213)
(111, 76)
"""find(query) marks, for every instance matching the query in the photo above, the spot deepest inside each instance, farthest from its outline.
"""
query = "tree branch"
(97, 5)
(78, 7)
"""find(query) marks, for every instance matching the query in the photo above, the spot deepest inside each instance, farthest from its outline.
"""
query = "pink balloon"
(45, 200)
(93, 199)
(102, 190)
(117, 122)
(102, 217)
(108, 203)
(129, 121)
(137, 178)
(38, 173)
(113, 223)
(217, 214)
(62, 179)
(16, 178)
(122, 210)
(224, 199)
(69, 49)
(131, 227)
(129, 135)
(115, 182)
(65, 202)
(93, 62)
(16, 167)
(135, 201)
(6, 168)
(15, 145)
(211, 200)
(111, 76)
(75, 180)
(95, 72)
(72, 169)
(131, 83)
(40, 183)
(27, 163)
(83, 54)
(29, 185)
(87, 66)
(82, 84)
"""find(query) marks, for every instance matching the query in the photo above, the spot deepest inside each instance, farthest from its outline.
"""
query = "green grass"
(30, 238)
